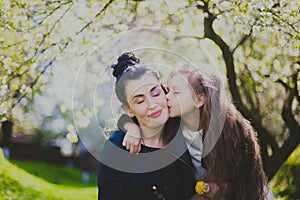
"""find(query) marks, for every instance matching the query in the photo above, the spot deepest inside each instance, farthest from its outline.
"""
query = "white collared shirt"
(194, 144)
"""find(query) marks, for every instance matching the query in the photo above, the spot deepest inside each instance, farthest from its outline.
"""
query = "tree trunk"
(6, 132)
(279, 155)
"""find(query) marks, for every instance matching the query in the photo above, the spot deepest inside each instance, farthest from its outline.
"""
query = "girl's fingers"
(128, 146)
(132, 149)
(124, 143)
(138, 149)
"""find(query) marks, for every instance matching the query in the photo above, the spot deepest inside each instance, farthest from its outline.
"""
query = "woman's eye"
(156, 93)
(139, 101)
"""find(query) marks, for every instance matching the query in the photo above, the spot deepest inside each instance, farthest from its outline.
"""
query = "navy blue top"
(174, 181)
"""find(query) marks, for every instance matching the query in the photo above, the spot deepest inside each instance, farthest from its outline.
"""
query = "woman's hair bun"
(124, 61)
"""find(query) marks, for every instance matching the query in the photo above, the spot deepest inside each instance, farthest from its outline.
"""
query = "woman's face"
(181, 97)
(147, 101)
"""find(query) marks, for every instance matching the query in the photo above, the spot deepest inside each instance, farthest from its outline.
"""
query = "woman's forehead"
(142, 85)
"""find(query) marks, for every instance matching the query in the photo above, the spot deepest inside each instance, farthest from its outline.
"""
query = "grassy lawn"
(286, 182)
(43, 182)
(61, 175)
(23, 180)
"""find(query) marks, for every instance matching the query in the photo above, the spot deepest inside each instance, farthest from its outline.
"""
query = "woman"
(233, 165)
(126, 177)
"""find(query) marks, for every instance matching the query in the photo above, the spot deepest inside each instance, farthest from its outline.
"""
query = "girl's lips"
(156, 114)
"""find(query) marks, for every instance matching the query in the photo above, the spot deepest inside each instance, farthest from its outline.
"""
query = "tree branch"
(279, 18)
(34, 81)
(52, 28)
(190, 36)
(244, 39)
(264, 134)
(252, 101)
(279, 156)
(50, 13)
(287, 113)
(286, 87)
(295, 81)
(97, 15)
(55, 57)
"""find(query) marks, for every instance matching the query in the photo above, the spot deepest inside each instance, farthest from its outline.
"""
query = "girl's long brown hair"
(234, 162)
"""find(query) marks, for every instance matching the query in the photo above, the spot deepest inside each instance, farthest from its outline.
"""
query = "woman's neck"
(191, 120)
(151, 137)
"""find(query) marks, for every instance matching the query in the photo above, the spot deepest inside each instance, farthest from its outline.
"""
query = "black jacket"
(153, 174)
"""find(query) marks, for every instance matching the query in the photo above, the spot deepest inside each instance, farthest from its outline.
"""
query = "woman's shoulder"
(117, 138)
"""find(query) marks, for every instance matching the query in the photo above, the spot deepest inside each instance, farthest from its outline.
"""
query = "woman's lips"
(169, 108)
(156, 114)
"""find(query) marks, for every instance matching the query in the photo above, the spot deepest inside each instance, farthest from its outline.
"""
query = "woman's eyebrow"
(137, 96)
(141, 95)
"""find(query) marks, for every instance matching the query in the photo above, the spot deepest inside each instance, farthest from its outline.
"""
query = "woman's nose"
(152, 103)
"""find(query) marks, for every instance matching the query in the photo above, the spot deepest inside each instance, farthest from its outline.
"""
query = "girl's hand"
(214, 192)
(210, 190)
(132, 139)
(197, 197)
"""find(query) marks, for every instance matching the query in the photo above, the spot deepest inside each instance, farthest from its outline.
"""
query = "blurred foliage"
(18, 184)
(285, 183)
(43, 43)
(25, 32)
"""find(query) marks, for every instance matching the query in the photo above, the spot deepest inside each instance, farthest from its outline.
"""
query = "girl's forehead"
(178, 80)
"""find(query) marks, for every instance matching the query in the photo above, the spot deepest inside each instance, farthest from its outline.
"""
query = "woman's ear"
(128, 111)
(200, 100)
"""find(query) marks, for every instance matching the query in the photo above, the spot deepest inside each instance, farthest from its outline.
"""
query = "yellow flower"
(201, 187)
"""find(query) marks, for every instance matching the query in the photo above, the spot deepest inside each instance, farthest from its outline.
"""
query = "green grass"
(286, 182)
(22, 180)
(17, 183)
(61, 175)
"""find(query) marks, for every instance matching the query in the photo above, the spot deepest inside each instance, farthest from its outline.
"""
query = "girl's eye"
(174, 91)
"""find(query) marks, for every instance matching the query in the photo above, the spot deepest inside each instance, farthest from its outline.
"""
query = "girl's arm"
(132, 139)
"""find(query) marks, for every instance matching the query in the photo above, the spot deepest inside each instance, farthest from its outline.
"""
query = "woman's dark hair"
(125, 61)
(127, 68)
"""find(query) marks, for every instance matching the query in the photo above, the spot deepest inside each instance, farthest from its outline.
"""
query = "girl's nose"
(169, 95)
(165, 88)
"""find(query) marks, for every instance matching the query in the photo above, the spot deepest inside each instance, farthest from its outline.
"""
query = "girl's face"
(181, 97)
(147, 101)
